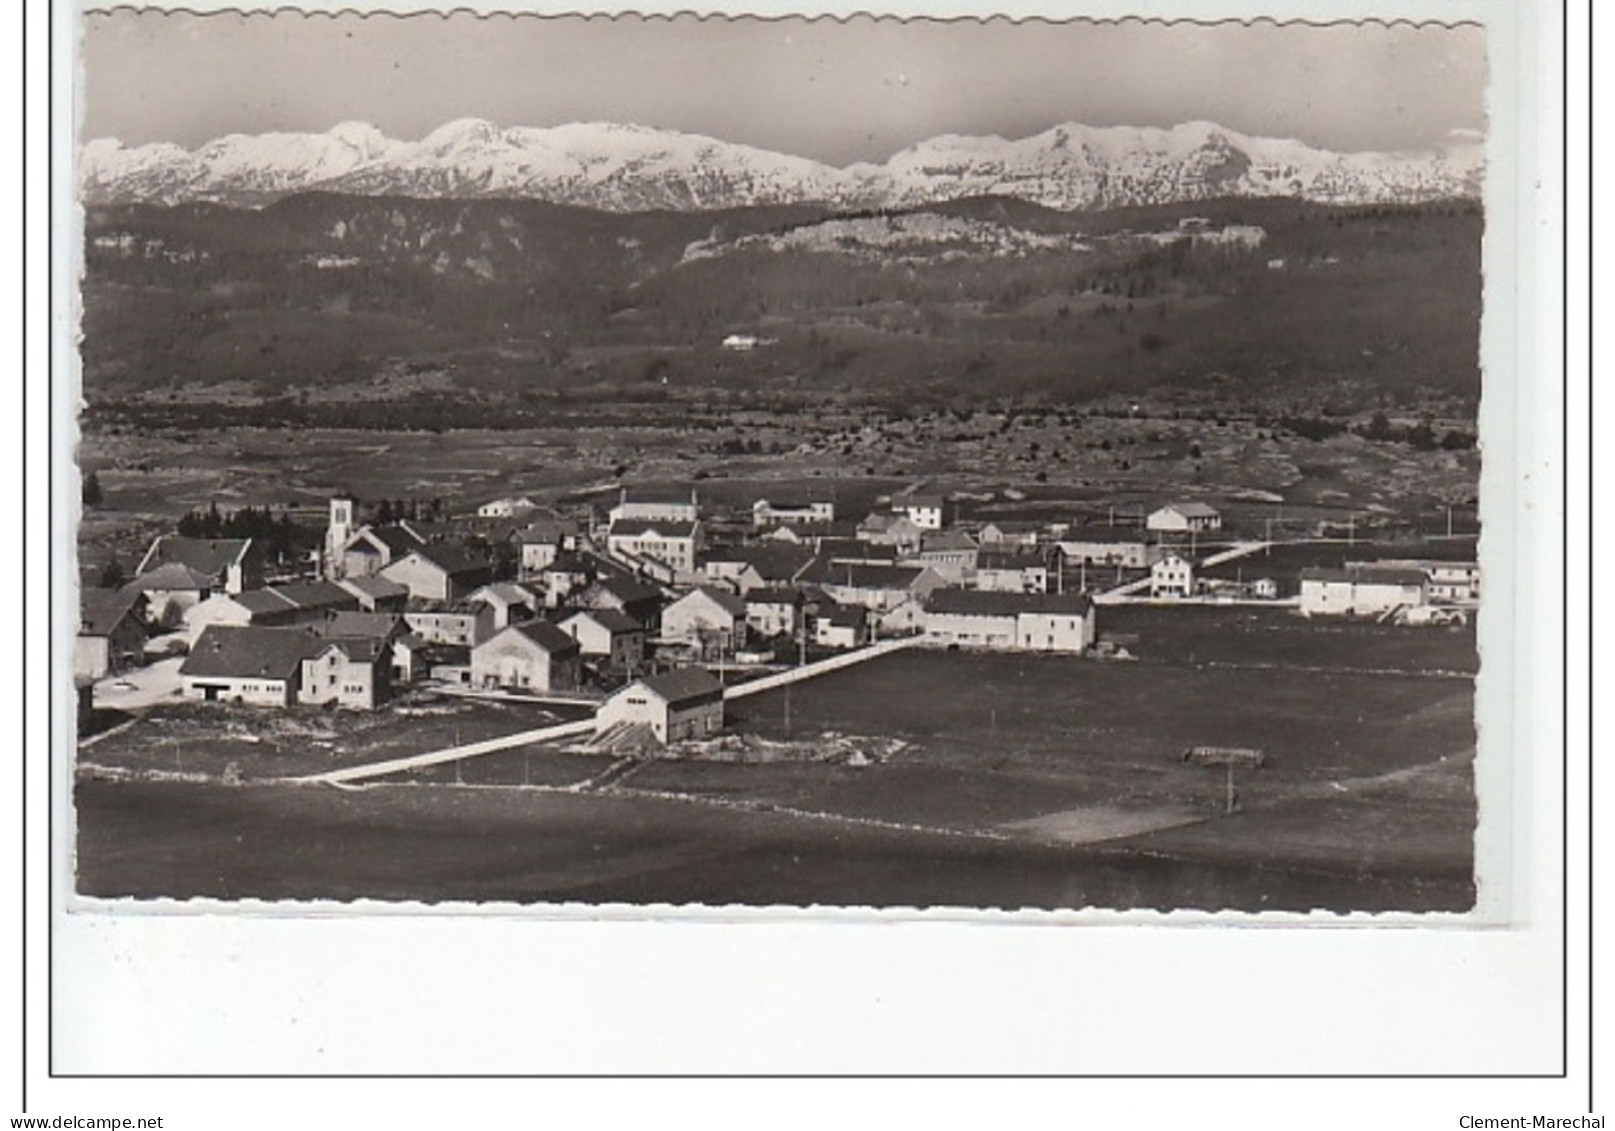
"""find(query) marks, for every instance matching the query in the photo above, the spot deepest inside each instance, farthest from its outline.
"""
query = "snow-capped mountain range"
(622, 168)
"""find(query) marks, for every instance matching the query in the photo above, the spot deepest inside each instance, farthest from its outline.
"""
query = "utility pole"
(1449, 520)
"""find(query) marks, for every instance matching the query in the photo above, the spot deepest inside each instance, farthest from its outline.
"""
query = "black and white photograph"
(781, 463)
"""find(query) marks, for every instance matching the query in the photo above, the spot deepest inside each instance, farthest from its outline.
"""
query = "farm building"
(510, 602)
(1184, 518)
(772, 612)
(353, 672)
(1454, 582)
(891, 529)
(367, 551)
(953, 554)
(229, 565)
(1362, 591)
(1124, 546)
(874, 585)
(532, 656)
(793, 510)
(615, 639)
(112, 633)
(247, 664)
(464, 624)
(508, 507)
(673, 542)
(675, 706)
(634, 598)
(841, 626)
(656, 504)
(1032, 622)
(999, 571)
(1010, 532)
(439, 573)
(709, 618)
(925, 511)
(377, 594)
(262, 607)
(1172, 576)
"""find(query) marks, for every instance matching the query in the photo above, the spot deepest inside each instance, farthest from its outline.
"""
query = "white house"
(1006, 572)
(1361, 591)
(1010, 532)
(673, 542)
(230, 565)
(439, 573)
(510, 602)
(1029, 622)
(353, 672)
(1172, 576)
(1184, 518)
(532, 656)
(793, 510)
(709, 618)
(841, 626)
(1124, 546)
(875, 585)
(774, 611)
(953, 554)
(925, 511)
(670, 504)
(508, 507)
(614, 638)
(463, 625)
(683, 704)
(247, 664)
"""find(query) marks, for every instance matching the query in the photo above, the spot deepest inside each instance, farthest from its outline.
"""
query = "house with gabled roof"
(247, 664)
(627, 595)
(615, 640)
(1005, 532)
(1027, 622)
(874, 585)
(261, 607)
(377, 594)
(511, 602)
(370, 549)
(439, 573)
(793, 508)
(112, 632)
(170, 591)
(507, 507)
(348, 671)
(541, 541)
(534, 655)
(952, 553)
(708, 619)
(749, 567)
(1011, 571)
(1362, 590)
(230, 565)
(674, 543)
(1184, 518)
(675, 706)
(840, 626)
(891, 529)
(656, 503)
(774, 611)
(927, 510)
(1125, 546)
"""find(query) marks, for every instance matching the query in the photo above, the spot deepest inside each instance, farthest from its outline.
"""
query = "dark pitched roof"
(399, 539)
(1014, 525)
(864, 575)
(777, 562)
(845, 616)
(1366, 575)
(946, 540)
(546, 636)
(357, 649)
(1191, 510)
(774, 595)
(979, 603)
(247, 651)
(638, 527)
(1109, 535)
(683, 685)
(1010, 559)
(375, 587)
(612, 620)
(263, 602)
(100, 610)
(546, 531)
(372, 625)
(853, 549)
(174, 575)
(316, 595)
(629, 591)
(905, 502)
(209, 556)
(724, 599)
(452, 560)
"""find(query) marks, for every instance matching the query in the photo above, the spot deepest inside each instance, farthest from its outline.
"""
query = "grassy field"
(257, 743)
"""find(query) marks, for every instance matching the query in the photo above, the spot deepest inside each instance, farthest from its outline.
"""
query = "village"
(645, 611)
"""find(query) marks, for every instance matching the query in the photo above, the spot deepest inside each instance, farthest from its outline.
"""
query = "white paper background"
(396, 993)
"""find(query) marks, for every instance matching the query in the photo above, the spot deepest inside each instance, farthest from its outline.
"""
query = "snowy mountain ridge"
(625, 168)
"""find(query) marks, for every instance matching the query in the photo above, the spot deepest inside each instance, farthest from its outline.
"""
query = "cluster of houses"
(642, 601)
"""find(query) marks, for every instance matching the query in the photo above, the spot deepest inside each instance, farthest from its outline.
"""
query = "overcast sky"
(835, 92)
